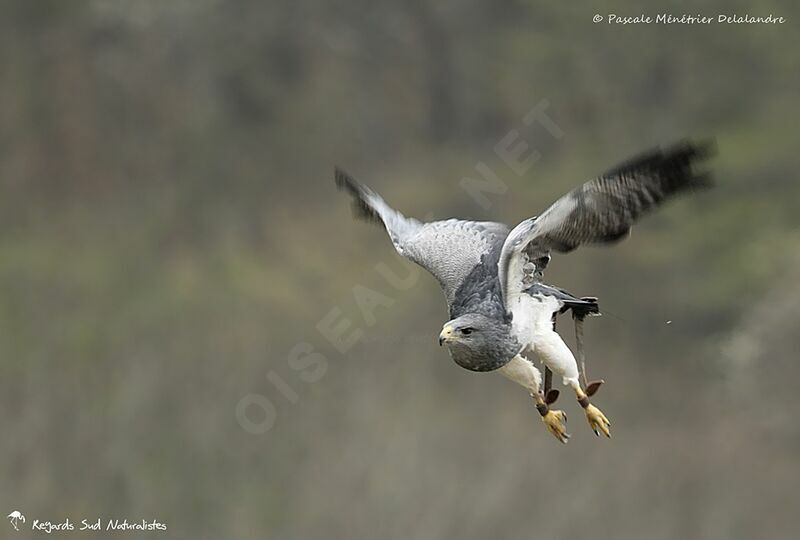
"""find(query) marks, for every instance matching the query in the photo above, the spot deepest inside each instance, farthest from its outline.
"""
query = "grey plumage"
(448, 249)
(604, 209)
(481, 266)
(489, 344)
(477, 301)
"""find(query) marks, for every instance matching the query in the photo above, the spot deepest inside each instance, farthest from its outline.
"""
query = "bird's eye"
(466, 331)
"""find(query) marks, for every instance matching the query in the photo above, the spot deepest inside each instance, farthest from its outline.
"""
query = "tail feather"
(581, 307)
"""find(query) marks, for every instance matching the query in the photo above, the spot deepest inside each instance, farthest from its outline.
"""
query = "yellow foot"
(556, 424)
(597, 420)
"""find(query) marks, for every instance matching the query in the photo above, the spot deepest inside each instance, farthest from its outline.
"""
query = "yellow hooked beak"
(447, 334)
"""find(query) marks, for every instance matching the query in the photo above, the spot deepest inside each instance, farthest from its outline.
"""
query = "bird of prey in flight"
(500, 310)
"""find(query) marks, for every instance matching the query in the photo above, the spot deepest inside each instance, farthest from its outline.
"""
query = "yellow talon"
(556, 424)
(597, 421)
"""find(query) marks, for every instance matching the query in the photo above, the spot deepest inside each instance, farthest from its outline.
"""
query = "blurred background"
(172, 239)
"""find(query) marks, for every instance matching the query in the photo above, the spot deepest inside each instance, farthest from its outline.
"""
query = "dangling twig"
(579, 346)
(548, 374)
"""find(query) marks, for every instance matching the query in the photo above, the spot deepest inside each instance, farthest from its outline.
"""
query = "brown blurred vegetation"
(170, 231)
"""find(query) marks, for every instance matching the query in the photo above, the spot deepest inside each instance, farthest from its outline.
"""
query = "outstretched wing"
(600, 211)
(449, 249)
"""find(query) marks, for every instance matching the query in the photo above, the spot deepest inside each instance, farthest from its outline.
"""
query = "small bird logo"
(16, 517)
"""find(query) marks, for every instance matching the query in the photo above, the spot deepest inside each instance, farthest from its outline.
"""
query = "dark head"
(479, 343)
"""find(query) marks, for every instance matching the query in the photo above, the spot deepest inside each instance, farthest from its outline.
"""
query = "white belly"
(532, 316)
(532, 325)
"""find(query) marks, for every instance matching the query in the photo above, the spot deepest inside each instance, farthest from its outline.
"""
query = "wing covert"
(601, 210)
(448, 249)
